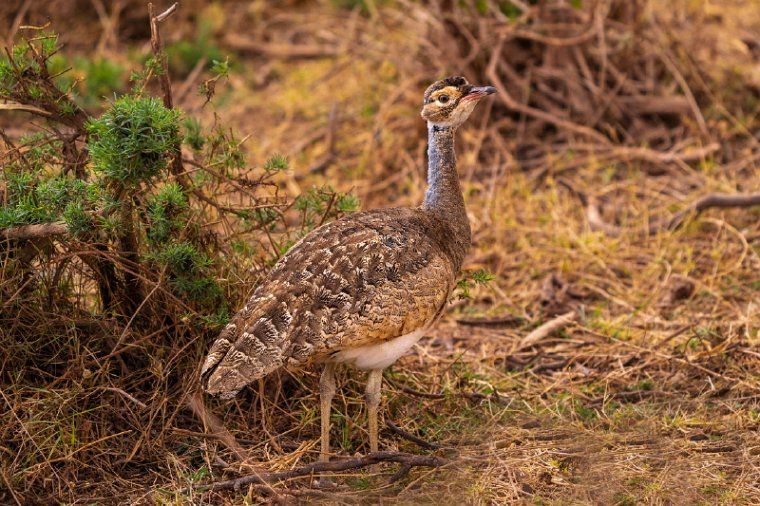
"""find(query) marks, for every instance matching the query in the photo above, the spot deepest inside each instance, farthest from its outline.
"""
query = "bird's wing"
(364, 279)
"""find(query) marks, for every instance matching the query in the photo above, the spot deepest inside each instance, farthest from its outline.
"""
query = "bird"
(360, 290)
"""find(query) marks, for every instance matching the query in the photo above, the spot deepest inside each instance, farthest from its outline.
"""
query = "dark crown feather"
(457, 81)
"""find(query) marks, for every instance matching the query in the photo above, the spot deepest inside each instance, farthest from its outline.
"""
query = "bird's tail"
(242, 355)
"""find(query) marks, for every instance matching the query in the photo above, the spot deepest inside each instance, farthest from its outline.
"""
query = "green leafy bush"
(166, 213)
(117, 186)
(134, 140)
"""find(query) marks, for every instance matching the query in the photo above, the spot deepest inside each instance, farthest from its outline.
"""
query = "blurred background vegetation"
(133, 226)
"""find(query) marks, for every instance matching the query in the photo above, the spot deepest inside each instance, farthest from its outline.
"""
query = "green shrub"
(77, 219)
(134, 140)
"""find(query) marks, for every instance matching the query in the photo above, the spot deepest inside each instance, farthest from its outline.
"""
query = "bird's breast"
(377, 356)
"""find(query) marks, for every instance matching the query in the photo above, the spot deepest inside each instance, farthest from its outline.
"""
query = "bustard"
(360, 290)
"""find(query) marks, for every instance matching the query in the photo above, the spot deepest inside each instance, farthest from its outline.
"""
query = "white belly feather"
(378, 356)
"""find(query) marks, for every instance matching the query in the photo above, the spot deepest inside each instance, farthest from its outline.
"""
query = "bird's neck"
(444, 194)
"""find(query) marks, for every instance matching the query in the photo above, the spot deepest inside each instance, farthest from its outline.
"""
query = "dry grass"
(650, 397)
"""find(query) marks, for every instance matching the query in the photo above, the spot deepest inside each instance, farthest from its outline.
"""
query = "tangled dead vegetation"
(613, 360)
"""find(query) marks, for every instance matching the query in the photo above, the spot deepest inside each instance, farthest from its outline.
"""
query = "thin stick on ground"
(720, 200)
(708, 201)
(127, 395)
(547, 329)
(216, 427)
(411, 437)
(406, 459)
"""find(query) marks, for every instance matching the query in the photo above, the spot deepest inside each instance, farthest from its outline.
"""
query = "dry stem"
(547, 329)
(405, 459)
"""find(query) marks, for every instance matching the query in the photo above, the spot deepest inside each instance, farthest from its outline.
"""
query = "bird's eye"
(443, 99)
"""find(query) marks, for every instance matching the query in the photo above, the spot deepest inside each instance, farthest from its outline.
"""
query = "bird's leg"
(374, 384)
(326, 393)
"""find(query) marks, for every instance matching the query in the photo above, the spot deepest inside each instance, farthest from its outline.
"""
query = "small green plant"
(193, 136)
(89, 80)
(166, 214)
(360, 483)
(181, 259)
(470, 279)
(26, 78)
(199, 474)
(276, 163)
(645, 385)
(77, 219)
(624, 499)
(318, 205)
(184, 55)
(582, 411)
(220, 70)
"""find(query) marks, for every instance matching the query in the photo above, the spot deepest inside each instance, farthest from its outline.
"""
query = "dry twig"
(720, 200)
(215, 425)
(411, 437)
(156, 45)
(406, 459)
(26, 108)
(547, 329)
(708, 201)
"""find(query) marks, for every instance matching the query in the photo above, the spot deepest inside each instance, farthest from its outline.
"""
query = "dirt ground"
(611, 119)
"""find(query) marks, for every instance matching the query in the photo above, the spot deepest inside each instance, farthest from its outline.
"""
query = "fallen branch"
(477, 396)
(654, 156)
(550, 366)
(405, 459)
(547, 329)
(719, 200)
(411, 391)
(652, 104)
(127, 395)
(487, 322)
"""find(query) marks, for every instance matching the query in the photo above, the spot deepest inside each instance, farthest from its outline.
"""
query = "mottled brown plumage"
(370, 279)
(365, 278)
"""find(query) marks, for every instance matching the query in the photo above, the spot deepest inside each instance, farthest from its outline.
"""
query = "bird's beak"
(478, 92)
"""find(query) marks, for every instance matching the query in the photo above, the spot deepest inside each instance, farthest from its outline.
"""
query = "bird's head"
(449, 102)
